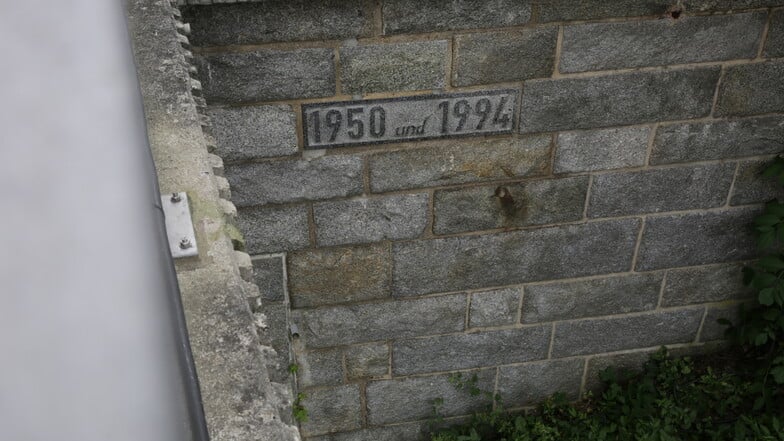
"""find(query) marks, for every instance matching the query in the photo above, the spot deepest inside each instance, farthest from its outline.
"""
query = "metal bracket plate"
(179, 226)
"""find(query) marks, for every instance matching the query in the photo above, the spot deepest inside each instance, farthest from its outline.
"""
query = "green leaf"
(748, 275)
(767, 239)
(767, 220)
(763, 280)
(766, 296)
(775, 168)
(771, 314)
(760, 339)
(771, 263)
(775, 208)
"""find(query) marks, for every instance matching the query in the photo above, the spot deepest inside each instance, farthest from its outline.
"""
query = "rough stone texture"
(712, 330)
(273, 229)
(696, 239)
(274, 338)
(371, 220)
(531, 203)
(563, 10)
(393, 67)
(603, 149)
(320, 368)
(715, 283)
(420, 16)
(268, 275)
(620, 363)
(504, 56)
(457, 162)
(606, 46)
(398, 432)
(620, 99)
(254, 132)
(511, 258)
(530, 383)
(280, 182)
(467, 351)
(594, 336)
(591, 298)
(719, 5)
(718, 140)
(339, 275)
(365, 361)
(774, 47)
(332, 410)
(279, 20)
(380, 321)
(494, 308)
(268, 75)
(666, 189)
(750, 187)
(384, 397)
(752, 88)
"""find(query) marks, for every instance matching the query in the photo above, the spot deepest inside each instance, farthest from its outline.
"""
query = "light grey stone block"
(774, 46)
(494, 308)
(751, 187)
(320, 368)
(712, 330)
(603, 149)
(274, 229)
(457, 162)
(530, 383)
(511, 258)
(514, 205)
(371, 360)
(619, 99)
(591, 298)
(254, 132)
(467, 351)
(393, 67)
(751, 89)
(268, 276)
(371, 220)
(418, 16)
(665, 189)
(333, 409)
(715, 283)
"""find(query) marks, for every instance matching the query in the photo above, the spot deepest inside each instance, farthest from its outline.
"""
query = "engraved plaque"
(348, 123)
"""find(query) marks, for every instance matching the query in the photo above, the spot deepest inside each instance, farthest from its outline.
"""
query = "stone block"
(494, 308)
(621, 364)
(507, 206)
(268, 75)
(591, 298)
(343, 325)
(418, 16)
(371, 220)
(471, 262)
(398, 432)
(723, 5)
(712, 330)
(750, 187)
(281, 182)
(393, 67)
(603, 149)
(751, 89)
(274, 335)
(691, 39)
(367, 361)
(274, 229)
(531, 383)
(715, 283)
(718, 140)
(254, 132)
(320, 368)
(697, 238)
(498, 57)
(467, 351)
(278, 20)
(774, 46)
(663, 189)
(339, 275)
(593, 336)
(333, 409)
(619, 99)
(564, 10)
(268, 276)
(458, 162)
(384, 398)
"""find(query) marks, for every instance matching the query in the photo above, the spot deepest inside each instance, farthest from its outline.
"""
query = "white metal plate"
(179, 226)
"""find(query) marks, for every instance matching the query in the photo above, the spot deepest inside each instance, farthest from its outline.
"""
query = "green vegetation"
(300, 413)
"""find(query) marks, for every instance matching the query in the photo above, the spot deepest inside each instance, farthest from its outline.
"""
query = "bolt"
(185, 243)
(176, 197)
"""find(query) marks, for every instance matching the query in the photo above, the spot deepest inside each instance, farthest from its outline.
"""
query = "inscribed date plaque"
(414, 118)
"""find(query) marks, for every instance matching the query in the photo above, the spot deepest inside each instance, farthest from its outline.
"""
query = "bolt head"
(175, 197)
(185, 244)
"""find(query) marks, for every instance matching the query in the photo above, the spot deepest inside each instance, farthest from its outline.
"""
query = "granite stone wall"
(613, 220)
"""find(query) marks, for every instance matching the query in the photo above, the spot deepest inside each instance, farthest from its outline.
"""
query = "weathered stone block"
(417, 16)
(697, 239)
(712, 330)
(774, 47)
(719, 5)
(272, 229)
(718, 140)
(457, 263)
(274, 335)
(715, 283)
(603, 149)
(528, 384)
(665, 189)
(591, 298)
(750, 187)
(620, 99)
(280, 182)
(268, 275)
(494, 308)
(467, 351)
(384, 397)
(499, 57)
(563, 10)
(333, 409)
(371, 220)
(751, 89)
(371, 360)
(254, 132)
(691, 39)
(351, 324)
(320, 368)
(393, 67)
(398, 432)
(279, 20)
(593, 336)
(458, 162)
(339, 275)
(268, 75)
(515, 205)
